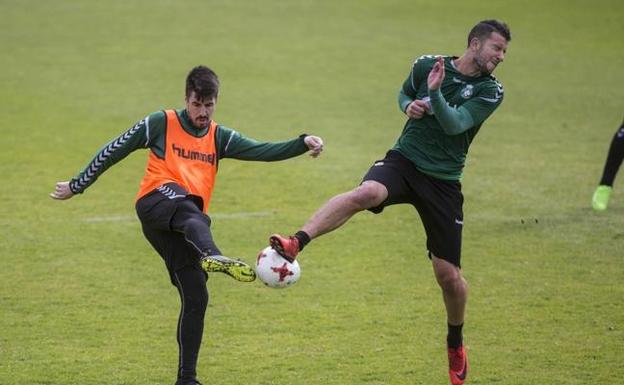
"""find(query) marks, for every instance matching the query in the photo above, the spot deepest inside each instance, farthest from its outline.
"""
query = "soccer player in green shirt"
(172, 204)
(446, 99)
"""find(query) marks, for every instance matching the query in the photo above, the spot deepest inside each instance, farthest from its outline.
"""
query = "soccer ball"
(275, 271)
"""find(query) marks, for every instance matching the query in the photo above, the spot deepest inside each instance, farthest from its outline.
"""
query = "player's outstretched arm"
(62, 191)
(315, 144)
(232, 144)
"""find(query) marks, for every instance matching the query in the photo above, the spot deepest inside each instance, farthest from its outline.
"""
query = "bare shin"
(454, 289)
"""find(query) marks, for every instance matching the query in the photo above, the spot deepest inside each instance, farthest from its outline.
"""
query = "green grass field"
(85, 300)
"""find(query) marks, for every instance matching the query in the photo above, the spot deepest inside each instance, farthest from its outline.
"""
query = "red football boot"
(458, 365)
(286, 247)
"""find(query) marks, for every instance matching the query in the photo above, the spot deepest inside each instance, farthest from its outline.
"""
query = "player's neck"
(466, 66)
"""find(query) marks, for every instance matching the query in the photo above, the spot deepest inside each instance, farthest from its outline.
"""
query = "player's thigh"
(439, 204)
(155, 210)
(387, 177)
(173, 248)
(187, 210)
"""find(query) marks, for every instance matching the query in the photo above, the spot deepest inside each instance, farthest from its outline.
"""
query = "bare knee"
(449, 277)
(368, 194)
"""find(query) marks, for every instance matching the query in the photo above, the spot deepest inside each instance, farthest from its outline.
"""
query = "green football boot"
(236, 269)
(600, 200)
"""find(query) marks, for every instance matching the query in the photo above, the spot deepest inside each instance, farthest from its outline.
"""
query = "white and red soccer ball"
(275, 271)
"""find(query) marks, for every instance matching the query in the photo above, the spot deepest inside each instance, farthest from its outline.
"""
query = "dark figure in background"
(600, 199)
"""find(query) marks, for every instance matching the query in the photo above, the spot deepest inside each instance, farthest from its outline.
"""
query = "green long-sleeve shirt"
(150, 132)
(438, 143)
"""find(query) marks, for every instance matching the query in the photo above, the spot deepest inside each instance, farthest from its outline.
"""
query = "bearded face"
(488, 53)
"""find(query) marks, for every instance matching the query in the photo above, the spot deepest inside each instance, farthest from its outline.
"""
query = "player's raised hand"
(436, 75)
(315, 144)
(62, 191)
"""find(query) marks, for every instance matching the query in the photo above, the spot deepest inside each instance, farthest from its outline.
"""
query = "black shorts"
(155, 211)
(438, 202)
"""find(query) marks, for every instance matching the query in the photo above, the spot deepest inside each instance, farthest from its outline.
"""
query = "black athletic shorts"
(155, 211)
(438, 202)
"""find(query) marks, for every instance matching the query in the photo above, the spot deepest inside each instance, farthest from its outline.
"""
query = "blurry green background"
(85, 300)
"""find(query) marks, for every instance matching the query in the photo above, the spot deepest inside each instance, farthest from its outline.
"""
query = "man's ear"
(475, 44)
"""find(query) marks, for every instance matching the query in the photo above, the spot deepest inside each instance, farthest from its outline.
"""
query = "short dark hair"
(484, 28)
(203, 81)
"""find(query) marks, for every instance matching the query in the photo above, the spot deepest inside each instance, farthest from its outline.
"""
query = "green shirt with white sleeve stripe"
(438, 143)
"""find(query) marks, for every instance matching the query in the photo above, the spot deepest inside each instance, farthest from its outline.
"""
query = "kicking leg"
(333, 214)
(195, 225)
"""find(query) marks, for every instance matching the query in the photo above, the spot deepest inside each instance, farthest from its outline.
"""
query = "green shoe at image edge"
(600, 199)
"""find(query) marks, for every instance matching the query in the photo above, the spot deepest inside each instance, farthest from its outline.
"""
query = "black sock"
(303, 238)
(454, 337)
